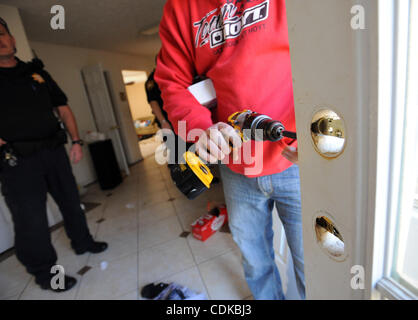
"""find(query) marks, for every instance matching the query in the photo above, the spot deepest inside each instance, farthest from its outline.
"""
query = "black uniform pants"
(25, 189)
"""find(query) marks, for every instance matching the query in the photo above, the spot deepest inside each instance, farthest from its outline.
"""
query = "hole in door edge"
(329, 133)
(329, 237)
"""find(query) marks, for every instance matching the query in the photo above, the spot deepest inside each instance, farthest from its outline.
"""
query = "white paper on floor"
(103, 265)
(130, 206)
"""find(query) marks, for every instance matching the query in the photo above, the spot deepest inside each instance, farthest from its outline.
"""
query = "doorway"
(103, 111)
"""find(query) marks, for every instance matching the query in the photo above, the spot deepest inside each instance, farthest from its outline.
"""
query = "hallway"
(143, 221)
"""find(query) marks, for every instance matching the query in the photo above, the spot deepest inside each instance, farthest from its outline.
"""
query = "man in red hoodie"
(242, 46)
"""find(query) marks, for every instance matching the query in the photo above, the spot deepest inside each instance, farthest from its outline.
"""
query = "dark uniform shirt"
(154, 94)
(28, 96)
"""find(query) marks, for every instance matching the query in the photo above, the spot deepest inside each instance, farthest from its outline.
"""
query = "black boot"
(93, 247)
(69, 282)
(152, 290)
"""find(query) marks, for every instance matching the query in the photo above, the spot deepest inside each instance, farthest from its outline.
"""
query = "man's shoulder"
(176, 2)
(35, 66)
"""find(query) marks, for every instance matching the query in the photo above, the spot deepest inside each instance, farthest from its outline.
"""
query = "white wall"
(12, 17)
(64, 63)
(138, 102)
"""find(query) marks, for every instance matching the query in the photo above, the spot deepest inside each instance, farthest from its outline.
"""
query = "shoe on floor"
(69, 282)
(150, 291)
(94, 247)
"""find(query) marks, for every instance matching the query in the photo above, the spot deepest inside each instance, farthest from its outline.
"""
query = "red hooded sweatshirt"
(243, 47)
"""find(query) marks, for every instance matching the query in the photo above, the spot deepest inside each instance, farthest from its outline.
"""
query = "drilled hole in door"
(329, 237)
(328, 133)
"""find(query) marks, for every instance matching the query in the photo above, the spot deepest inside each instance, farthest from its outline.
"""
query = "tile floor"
(142, 221)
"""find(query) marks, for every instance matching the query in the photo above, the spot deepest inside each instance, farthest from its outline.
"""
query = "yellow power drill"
(194, 176)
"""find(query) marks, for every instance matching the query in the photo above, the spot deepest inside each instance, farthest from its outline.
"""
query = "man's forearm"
(70, 123)
(156, 109)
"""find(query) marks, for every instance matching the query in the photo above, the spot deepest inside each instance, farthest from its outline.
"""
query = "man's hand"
(213, 145)
(2, 142)
(291, 154)
(76, 153)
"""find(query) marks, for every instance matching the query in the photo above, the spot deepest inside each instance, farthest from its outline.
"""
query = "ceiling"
(101, 24)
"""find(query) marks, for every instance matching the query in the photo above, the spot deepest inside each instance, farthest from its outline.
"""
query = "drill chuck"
(258, 127)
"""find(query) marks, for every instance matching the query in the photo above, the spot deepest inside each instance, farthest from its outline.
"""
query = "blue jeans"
(250, 204)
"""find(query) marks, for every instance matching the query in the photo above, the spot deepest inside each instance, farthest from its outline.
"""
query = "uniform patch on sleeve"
(38, 78)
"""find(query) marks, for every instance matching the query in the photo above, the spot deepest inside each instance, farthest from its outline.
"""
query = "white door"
(334, 67)
(102, 109)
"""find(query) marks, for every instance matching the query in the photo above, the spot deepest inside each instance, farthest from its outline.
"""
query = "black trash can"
(105, 164)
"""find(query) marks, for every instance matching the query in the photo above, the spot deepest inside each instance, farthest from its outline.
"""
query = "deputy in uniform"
(157, 106)
(33, 162)
(156, 103)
